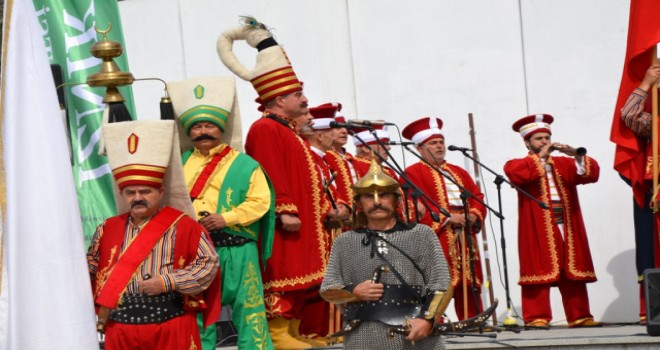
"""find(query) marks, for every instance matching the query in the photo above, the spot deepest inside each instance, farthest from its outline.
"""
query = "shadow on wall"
(625, 291)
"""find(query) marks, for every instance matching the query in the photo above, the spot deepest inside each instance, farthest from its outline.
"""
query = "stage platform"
(610, 337)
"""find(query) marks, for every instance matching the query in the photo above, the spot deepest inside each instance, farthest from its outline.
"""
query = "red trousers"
(179, 333)
(305, 305)
(536, 300)
(285, 304)
(316, 316)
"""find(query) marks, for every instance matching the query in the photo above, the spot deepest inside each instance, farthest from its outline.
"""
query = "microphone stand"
(326, 189)
(408, 184)
(467, 241)
(463, 190)
(406, 209)
(499, 179)
(415, 192)
(464, 195)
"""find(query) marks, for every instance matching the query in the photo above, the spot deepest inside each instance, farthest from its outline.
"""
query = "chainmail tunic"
(351, 263)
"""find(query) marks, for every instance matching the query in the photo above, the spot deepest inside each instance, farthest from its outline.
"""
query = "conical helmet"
(375, 181)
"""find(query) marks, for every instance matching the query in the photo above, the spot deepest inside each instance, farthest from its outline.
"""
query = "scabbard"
(465, 325)
(443, 328)
(102, 319)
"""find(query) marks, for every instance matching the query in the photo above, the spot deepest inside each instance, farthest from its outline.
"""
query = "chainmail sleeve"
(438, 289)
(334, 287)
(436, 268)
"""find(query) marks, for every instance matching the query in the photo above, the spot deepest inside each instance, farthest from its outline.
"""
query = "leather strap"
(134, 255)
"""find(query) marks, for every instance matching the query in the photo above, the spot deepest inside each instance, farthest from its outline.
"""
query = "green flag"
(69, 33)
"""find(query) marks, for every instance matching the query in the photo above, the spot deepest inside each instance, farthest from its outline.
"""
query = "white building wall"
(401, 60)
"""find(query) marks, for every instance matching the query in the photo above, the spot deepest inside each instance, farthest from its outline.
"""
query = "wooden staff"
(466, 266)
(654, 132)
(334, 321)
(484, 236)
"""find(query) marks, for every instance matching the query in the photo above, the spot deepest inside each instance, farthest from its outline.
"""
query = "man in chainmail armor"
(386, 273)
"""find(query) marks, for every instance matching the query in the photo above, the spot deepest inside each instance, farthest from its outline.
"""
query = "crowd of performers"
(303, 240)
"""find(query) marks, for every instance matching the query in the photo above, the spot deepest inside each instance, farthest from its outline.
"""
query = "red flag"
(643, 35)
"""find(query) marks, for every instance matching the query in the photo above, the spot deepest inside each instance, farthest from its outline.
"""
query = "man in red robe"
(340, 161)
(321, 141)
(552, 243)
(300, 249)
(631, 129)
(635, 116)
(151, 265)
(316, 318)
(426, 175)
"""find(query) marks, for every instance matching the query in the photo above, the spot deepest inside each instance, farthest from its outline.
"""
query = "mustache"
(139, 203)
(203, 137)
(303, 105)
(307, 129)
(377, 207)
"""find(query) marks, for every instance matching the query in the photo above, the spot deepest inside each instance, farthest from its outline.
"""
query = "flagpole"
(654, 90)
(3, 179)
(30, 271)
(654, 131)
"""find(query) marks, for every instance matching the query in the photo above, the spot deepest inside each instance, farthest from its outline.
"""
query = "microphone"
(455, 148)
(401, 143)
(337, 125)
(369, 122)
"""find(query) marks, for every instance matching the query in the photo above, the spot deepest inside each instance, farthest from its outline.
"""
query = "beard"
(306, 129)
(535, 150)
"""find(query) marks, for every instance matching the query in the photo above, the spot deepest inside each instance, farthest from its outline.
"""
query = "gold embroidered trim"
(345, 175)
(317, 217)
(286, 208)
(569, 233)
(547, 222)
(450, 236)
(257, 322)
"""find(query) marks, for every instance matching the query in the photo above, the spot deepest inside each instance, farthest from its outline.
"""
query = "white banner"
(46, 298)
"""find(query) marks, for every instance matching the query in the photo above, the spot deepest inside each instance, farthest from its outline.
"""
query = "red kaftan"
(542, 251)
(433, 184)
(299, 258)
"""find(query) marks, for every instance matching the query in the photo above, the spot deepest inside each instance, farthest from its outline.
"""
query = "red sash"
(207, 172)
(129, 261)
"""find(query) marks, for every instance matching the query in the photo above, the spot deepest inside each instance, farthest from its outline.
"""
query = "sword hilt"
(378, 272)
